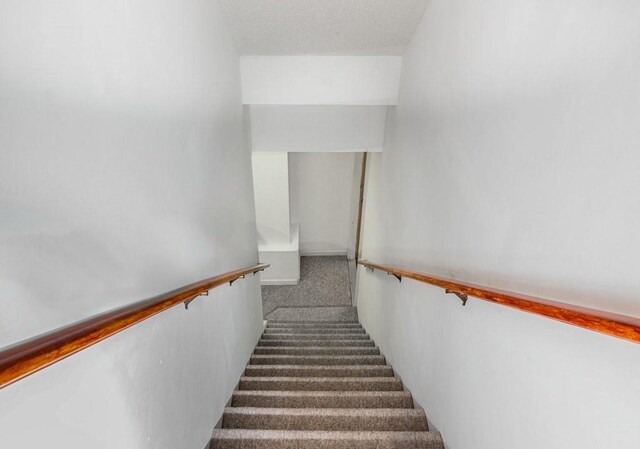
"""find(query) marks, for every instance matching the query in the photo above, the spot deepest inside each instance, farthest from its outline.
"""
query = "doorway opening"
(309, 216)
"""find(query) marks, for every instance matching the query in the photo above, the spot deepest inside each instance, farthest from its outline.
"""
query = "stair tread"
(321, 434)
(321, 379)
(310, 330)
(336, 336)
(387, 419)
(314, 321)
(310, 357)
(321, 367)
(322, 399)
(287, 393)
(308, 327)
(319, 370)
(368, 412)
(317, 350)
(314, 330)
(312, 325)
(321, 383)
(322, 439)
(283, 359)
(336, 343)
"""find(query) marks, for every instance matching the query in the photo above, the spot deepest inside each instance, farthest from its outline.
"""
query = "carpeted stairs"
(321, 385)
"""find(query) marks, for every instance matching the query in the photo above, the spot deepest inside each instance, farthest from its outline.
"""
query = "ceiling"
(322, 27)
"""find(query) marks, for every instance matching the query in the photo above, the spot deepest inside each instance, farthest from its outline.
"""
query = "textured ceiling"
(320, 27)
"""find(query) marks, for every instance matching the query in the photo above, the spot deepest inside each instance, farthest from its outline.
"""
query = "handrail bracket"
(463, 296)
(188, 301)
(397, 276)
(233, 280)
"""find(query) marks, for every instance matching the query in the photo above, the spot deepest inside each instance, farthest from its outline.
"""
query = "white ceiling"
(321, 27)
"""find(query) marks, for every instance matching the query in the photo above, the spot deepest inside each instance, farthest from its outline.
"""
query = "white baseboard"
(280, 282)
(342, 252)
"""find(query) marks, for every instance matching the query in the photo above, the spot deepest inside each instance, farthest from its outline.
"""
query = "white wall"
(321, 186)
(328, 80)
(123, 174)
(315, 128)
(278, 238)
(512, 161)
(271, 193)
(284, 261)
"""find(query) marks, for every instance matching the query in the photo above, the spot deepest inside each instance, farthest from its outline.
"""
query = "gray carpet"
(324, 282)
(313, 314)
(321, 386)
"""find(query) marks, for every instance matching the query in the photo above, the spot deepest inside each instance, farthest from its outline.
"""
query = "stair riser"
(314, 384)
(318, 371)
(411, 421)
(315, 336)
(378, 399)
(317, 360)
(264, 350)
(313, 326)
(312, 331)
(303, 343)
(312, 323)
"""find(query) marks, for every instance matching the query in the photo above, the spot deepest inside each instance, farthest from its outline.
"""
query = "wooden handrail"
(620, 326)
(29, 356)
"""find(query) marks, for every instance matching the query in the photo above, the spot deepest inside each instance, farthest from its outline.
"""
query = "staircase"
(321, 385)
